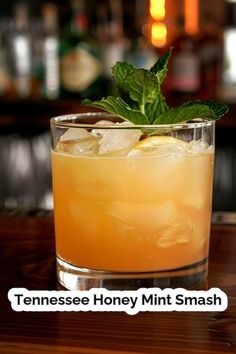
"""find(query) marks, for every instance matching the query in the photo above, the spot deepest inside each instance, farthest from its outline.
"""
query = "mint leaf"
(153, 110)
(160, 68)
(117, 106)
(210, 110)
(219, 109)
(120, 71)
(182, 114)
(143, 87)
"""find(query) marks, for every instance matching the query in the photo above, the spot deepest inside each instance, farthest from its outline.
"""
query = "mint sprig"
(141, 100)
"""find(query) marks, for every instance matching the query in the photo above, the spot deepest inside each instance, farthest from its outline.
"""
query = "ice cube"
(101, 123)
(197, 146)
(175, 234)
(75, 134)
(118, 142)
(197, 174)
(79, 147)
(144, 216)
(104, 122)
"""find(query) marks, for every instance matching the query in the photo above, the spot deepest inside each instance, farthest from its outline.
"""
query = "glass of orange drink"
(132, 203)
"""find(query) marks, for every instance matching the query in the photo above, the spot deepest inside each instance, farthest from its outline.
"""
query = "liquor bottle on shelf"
(185, 65)
(227, 88)
(50, 48)
(209, 44)
(81, 67)
(37, 57)
(21, 50)
(4, 70)
(110, 36)
(141, 52)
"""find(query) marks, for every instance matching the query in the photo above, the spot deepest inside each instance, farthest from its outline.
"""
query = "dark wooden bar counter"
(28, 260)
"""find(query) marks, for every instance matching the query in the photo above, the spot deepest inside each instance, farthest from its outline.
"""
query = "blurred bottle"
(185, 65)
(140, 52)
(112, 44)
(21, 50)
(37, 57)
(51, 80)
(4, 69)
(81, 67)
(228, 81)
(209, 44)
(110, 36)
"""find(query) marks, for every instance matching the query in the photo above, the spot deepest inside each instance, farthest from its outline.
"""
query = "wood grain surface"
(28, 260)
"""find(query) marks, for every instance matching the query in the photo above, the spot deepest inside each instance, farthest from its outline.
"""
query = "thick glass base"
(74, 278)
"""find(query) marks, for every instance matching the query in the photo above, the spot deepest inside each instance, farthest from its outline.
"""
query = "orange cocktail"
(143, 209)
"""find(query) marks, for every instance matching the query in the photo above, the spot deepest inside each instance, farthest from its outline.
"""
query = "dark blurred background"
(53, 54)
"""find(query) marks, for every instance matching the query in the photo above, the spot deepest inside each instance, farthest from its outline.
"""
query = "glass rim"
(66, 121)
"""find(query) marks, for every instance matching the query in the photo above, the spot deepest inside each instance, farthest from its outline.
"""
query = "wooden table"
(28, 260)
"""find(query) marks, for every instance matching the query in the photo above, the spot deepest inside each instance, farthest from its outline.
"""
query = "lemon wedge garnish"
(150, 145)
